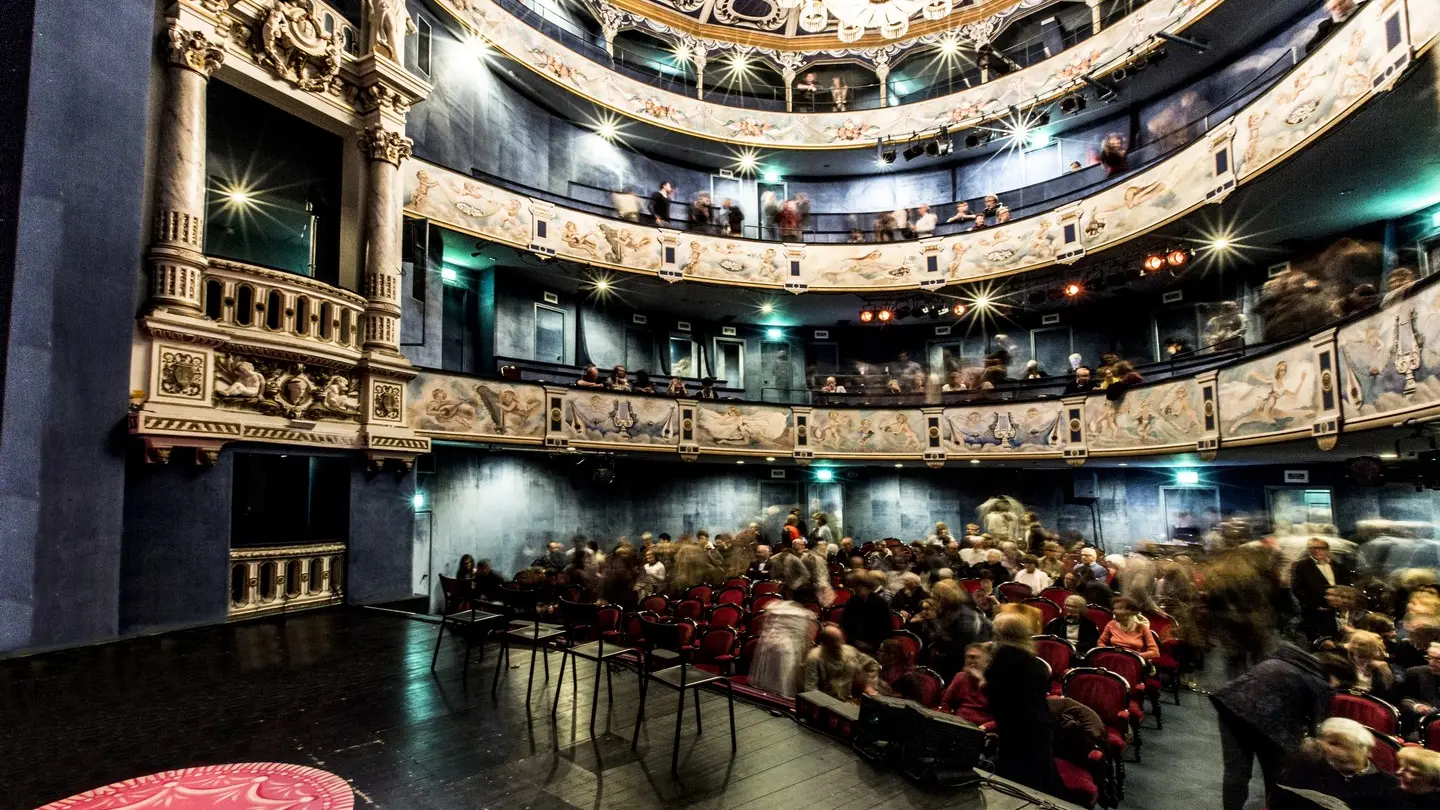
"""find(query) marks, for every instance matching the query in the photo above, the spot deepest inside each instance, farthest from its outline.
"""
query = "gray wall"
(175, 556)
(77, 265)
(379, 558)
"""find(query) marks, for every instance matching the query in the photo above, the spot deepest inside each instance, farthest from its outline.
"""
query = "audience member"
(1420, 689)
(962, 213)
(760, 570)
(965, 696)
(1015, 685)
(866, 620)
(1336, 762)
(619, 379)
(660, 204)
(951, 622)
(1419, 775)
(677, 388)
(925, 222)
(838, 669)
(1129, 630)
(1074, 625)
(1310, 580)
(1090, 558)
(590, 378)
(780, 653)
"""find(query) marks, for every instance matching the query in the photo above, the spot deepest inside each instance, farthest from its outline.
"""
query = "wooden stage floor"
(351, 692)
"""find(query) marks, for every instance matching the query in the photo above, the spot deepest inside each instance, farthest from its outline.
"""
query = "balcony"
(282, 314)
(282, 579)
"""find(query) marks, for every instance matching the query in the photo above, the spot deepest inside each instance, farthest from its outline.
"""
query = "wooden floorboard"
(351, 692)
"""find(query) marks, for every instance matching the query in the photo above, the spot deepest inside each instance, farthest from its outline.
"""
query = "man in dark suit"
(760, 570)
(1421, 688)
(1310, 579)
(660, 204)
(1074, 626)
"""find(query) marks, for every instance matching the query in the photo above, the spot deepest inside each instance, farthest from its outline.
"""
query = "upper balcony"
(1358, 62)
(567, 58)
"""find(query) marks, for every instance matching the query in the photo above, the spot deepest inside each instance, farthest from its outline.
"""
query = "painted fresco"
(477, 207)
(1278, 392)
(865, 431)
(1390, 361)
(731, 259)
(443, 403)
(1152, 416)
(766, 128)
(1018, 427)
(743, 427)
(613, 242)
(600, 416)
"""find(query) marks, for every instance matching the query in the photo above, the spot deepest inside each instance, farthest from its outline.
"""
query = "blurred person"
(1075, 166)
(925, 222)
(965, 695)
(553, 560)
(838, 669)
(1310, 581)
(1052, 561)
(962, 213)
(832, 387)
(1420, 689)
(808, 89)
(1397, 285)
(1113, 154)
(802, 210)
(956, 383)
(951, 622)
(1074, 625)
(1419, 776)
(1336, 13)
(733, 217)
(1015, 686)
(701, 214)
(901, 227)
(820, 531)
(1031, 575)
(780, 651)
(653, 579)
(1372, 668)
(884, 226)
(643, 384)
(620, 578)
(978, 223)
(1265, 713)
(707, 389)
(660, 204)
(866, 620)
(839, 94)
(627, 205)
(590, 378)
(992, 206)
(677, 388)
(909, 599)
(1032, 371)
(770, 213)
(1002, 215)
(619, 379)
(1336, 762)
(897, 669)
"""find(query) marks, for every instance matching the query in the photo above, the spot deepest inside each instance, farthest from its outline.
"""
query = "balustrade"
(254, 298)
(277, 579)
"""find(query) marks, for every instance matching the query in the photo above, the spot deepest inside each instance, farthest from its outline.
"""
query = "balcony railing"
(278, 579)
(273, 302)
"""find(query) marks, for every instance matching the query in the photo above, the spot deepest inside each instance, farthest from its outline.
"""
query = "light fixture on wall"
(1177, 257)
(867, 316)
(774, 334)
(1073, 289)
(824, 475)
(1187, 478)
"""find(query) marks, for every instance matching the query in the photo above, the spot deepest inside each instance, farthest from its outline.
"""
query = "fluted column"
(177, 255)
(383, 206)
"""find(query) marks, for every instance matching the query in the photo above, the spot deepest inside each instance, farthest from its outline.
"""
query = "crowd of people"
(906, 376)
(1289, 634)
(621, 381)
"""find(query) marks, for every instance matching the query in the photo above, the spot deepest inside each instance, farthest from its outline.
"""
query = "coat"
(1089, 633)
(1016, 684)
(1280, 699)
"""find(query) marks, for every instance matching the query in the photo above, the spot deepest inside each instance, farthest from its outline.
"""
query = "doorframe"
(728, 340)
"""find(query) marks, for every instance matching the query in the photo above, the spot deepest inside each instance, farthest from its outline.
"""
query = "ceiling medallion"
(890, 18)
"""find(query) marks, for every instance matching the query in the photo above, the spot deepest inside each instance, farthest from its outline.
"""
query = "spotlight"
(1220, 244)
(972, 141)
(1177, 257)
(239, 196)
(774, 334)
(607, 130)
(1104, 91)
(824, 475)
(1119, 74)
(924, 309)
(867, 315)
(884, 315)
(982, 302)
(767, 308)
(1154, 263)
(887, 155)
(449, 275)
(602, 285)
(1072, 104)
(932, 148)
(1073, 289)
(913, 151)
(902, 312)
(1036, 298)
(959, 309)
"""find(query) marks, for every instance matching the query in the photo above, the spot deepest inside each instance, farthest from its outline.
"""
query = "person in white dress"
(780, 654)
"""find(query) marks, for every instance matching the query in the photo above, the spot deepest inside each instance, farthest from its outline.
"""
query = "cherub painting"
(1255, 401)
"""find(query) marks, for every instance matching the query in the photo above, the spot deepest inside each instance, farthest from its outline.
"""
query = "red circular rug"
(238, 786)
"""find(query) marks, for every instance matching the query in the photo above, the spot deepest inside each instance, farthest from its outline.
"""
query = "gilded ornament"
(182, 374)
(382, 144)
(190, 49)
(386, 401)
(292, 42)
(271, 387)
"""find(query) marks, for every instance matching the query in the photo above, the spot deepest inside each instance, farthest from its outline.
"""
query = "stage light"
(742, 461)
(902, 312)
(769, 458)
(1073, 289)
(602, 285)
(239, 196)
(1154, 263)
(418, 501)
(772, 177)
(448, 275)
(774, 334)
(1187, 478)
(949, 44)
(1177, 257)
(1072, 104)
(1104, 90)
(932, 148)
(913, 151)
(982, 302)
(886, 153)
(767, 308)
(974, 461)
(824, 475)
(607, 130)
(867, 315)
(1038, 140)
(681, 54)
(958, 310)
(884, 315)
(972, 141)
(747, 161)
(899, 465)
(1220, 244)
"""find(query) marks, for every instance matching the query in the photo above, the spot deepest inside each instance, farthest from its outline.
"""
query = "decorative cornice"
(379, 143)
(274, 552)
(193, 50)
(291, 42)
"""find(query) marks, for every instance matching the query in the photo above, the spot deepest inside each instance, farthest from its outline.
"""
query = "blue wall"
(382, 527)
(76, 279)
(175, 556)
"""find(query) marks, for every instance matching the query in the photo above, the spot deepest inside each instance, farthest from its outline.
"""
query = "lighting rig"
(891, 310)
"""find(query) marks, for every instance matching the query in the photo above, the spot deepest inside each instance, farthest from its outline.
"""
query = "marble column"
(788, 76)
(386, 149)
(882, 72)
(177, 254)
(699, 59)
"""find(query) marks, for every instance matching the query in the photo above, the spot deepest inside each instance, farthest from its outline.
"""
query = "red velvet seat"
(1057, 595)
(1429, 733)
(1129, 665)
(971, 585)
(911, 643)
(1049, 611)
(1365, 709)
(1385, 753)
(1058, 654)
(1108, 695)
(658, 604)
(738, 582)
(762, 602)
(1079, 783)
(1163, 626)
(732, 595)
(700, 592)
(725, 615)
(897, 622)
(842, 595)
(762, 588)
(833, 614)
(689, 608)
(1014, 591)
(924, 686)
(1101, 616)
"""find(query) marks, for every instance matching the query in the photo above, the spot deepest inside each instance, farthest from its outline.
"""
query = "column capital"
(193, 50)
(381, 144)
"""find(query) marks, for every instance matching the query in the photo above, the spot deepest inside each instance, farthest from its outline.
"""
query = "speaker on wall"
(1083, 486)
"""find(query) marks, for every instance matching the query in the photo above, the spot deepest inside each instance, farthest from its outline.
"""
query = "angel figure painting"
(602, 417)
(446, 404)
(1145, 417)
(1278, 393)
(867, 431)
(746, 426)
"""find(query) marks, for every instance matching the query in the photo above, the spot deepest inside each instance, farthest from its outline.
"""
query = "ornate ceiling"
(777, 24)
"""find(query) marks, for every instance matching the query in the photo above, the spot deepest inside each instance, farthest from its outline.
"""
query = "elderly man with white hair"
(1336, 762)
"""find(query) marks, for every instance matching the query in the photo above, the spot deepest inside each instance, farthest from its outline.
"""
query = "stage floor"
(351, 692)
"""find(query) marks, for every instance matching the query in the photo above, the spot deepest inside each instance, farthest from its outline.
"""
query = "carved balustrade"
(278, 579)
(282, 308)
